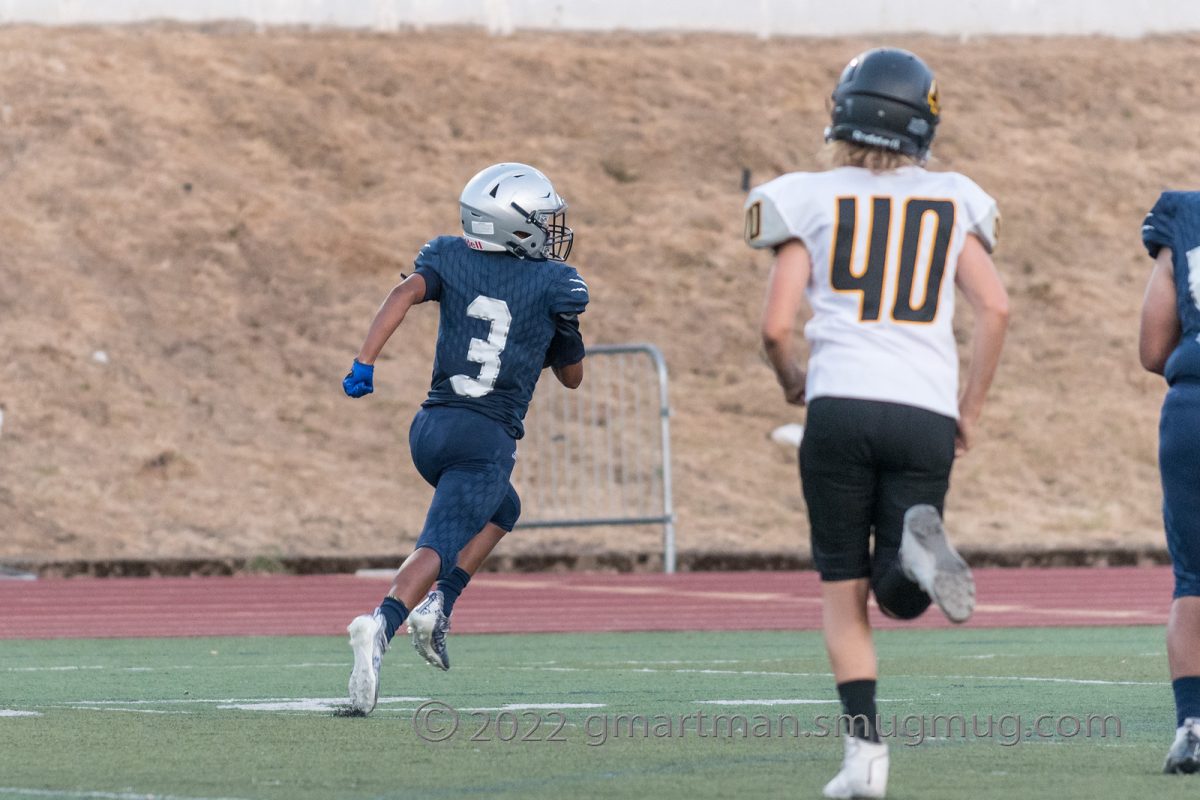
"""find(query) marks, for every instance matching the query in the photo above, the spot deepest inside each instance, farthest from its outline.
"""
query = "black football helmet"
(886, 98)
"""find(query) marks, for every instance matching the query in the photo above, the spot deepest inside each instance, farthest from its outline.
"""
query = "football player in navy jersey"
(509, 309)
(1169, 345)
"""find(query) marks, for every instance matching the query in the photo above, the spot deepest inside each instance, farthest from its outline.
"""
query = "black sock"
(1187, 698)
(451, 587)
(394, 613)
(858, 704)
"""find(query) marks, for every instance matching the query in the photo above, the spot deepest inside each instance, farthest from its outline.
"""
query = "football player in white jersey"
(878, 244)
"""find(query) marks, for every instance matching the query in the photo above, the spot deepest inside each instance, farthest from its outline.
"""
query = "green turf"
(126, 718)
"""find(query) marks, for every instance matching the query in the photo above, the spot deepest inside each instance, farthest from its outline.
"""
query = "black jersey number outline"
(868, 279)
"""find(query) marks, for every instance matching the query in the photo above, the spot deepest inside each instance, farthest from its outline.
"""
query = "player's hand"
(965, 436)
(793, 383)
(795, 395)
(360, 380)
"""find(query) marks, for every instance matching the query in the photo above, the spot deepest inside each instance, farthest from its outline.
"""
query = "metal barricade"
(601, 454)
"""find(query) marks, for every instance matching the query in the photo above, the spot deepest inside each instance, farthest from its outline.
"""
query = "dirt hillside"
(197, 224)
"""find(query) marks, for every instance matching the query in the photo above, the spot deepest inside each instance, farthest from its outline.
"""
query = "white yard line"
(72, 668)
(1036, 679)
(16, 791)
(739, 672)
(176, 667)
(231, 701)
(792, 702)
(536, 706)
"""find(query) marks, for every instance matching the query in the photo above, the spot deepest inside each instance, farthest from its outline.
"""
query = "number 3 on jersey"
(868, 276)
(485, 351)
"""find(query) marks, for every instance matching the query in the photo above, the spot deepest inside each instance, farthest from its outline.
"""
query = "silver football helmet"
(514, 207)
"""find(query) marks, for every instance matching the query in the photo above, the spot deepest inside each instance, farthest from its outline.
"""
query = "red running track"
(551, 603)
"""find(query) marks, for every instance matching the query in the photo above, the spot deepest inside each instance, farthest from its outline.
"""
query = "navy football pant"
(1179, 463)
(468, 459)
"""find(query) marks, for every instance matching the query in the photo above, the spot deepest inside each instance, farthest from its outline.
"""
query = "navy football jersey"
(498, 316)
(1174, 222)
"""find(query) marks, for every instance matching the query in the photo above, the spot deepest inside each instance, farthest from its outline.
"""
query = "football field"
(985, 713)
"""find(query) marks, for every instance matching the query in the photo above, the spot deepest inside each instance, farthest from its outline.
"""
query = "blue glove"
(360, 380)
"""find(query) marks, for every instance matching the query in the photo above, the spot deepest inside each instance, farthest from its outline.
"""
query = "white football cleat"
(864, 771)
(429, 626)
(1184, 756)
(368, 640)
(929, 560)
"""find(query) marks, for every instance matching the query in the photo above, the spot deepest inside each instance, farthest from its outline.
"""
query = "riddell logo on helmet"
(875, 140)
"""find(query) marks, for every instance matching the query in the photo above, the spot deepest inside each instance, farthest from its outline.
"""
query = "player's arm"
(406, 294)
(565, 354)
(570, 375)
(785, 293)
(1159, 332)
(568, 299)
(403, 296)
(981, 285)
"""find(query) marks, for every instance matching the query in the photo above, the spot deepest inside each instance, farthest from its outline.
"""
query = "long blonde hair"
(848, 154)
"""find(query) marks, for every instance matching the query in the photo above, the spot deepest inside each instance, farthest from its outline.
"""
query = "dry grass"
(222, 211)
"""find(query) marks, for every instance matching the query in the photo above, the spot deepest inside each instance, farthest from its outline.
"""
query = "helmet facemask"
(558, 238)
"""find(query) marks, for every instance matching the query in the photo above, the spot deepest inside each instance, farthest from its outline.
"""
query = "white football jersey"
(884, 251)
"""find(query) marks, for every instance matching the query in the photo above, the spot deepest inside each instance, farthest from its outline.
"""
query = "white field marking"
(303, 665)
(795, 702)
(312, 705)
(231, 701)
(536, 706)
(12, 712)
(738, 672)
(19, 792)
(54, 669)
(126, 710)
(1034, 679)
(982, 656)
(682, 661)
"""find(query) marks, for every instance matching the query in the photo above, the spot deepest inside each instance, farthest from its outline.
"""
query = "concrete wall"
(1124, 18)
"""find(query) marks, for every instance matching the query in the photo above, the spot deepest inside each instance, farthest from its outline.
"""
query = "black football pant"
(863, 464)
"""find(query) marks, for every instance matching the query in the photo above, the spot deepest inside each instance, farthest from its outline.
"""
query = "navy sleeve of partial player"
(566, 348)
(569, 295)
(1158, 229)
(426, 265)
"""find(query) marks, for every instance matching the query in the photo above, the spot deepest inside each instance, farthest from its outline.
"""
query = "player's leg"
(838, 478)
(913, 561)
(371, 634)
(429, 623)
(471, 558)
(468, 458)
(1179, 462)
